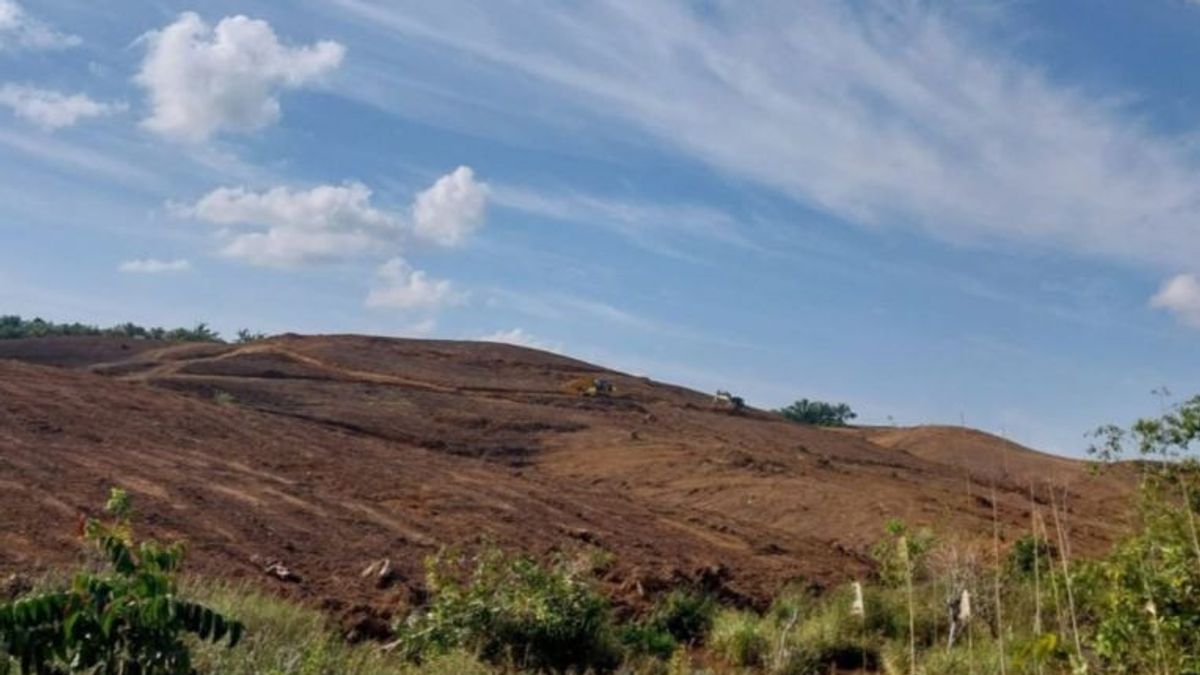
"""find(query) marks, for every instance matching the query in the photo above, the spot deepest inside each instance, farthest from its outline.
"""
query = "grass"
(283, 638)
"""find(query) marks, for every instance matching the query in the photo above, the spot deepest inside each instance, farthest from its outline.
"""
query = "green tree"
(124, 621)
(1144, 599)
(819, 413)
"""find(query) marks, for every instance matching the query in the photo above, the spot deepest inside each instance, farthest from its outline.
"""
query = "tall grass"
(283, 638)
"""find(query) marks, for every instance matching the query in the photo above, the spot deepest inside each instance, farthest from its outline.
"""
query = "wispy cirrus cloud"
(154, 266)
(21, 30)
(881, 114)
(664, 228)
(521, 338)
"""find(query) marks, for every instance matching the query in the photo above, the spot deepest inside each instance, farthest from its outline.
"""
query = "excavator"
(590, 387)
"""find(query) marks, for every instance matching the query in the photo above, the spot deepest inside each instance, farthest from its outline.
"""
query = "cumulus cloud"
(521, 338)
(289, 228)
(202, 80)
(450, 210)
(52, 110)
(296, 227)
(1180, 295)
(19, 30)
(154, 266)
(405, 288)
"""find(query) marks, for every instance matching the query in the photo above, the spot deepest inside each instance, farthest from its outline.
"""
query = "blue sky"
(933, 211)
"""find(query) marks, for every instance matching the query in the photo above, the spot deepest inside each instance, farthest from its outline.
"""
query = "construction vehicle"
(591, 387)
(724, 400)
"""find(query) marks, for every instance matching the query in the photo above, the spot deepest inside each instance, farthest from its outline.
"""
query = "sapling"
(996, 584)
(1064, 558)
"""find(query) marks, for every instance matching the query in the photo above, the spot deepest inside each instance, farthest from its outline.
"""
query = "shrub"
(510, 609)
(647, 639)
(682, 616)
(686, 615)
(127, 620)
(1027, 551)
(246, 336)
(740, 638)
(819, 413)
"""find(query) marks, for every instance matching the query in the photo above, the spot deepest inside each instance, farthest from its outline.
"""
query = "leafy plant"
(1029, 552)
(682, 616)
(740, 638)
(510, 609)
(819, 413)
(127, 620)
(246, 336)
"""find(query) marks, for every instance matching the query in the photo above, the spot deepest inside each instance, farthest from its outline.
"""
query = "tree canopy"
(819, 413)
(13, 327)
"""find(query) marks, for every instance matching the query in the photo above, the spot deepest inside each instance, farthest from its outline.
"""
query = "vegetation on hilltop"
(819, 413)
(14, 327)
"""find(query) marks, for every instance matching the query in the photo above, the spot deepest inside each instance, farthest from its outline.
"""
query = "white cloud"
(521, 338)
(1180, 295)
(327, 223)
(880, 113)
(203, 80)
(405, 289)
(19, 30)
(52, 110)
(450, 210)
(154, 266)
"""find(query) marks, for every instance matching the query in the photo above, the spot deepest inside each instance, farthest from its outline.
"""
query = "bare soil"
(328, 453)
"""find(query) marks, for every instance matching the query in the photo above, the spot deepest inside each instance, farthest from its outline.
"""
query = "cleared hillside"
(331, 452)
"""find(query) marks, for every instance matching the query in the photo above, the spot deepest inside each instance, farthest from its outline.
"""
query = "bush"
(1027, 551)
(819, 413)
(740, 638)
(686, 615)
(510, 610)
(682, 616)
(647, 639)
(128, 620)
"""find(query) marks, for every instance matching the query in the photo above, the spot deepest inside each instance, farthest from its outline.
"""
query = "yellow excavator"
(590, 386)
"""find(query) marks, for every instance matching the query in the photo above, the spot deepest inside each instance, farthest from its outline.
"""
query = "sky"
(937, 212)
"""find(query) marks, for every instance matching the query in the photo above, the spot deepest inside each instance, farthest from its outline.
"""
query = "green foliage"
(510, 609)
(1028, 551)
(647, 639)
(681, 617)
(685, 615)
(740, 638)
(123, 621)
(13, 327)
(283, 638)
(245, 336)
(1144, 599)
(902, 553)
(819, 413)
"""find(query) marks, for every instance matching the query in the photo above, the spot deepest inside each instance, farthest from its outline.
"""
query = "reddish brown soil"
(329, 453)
